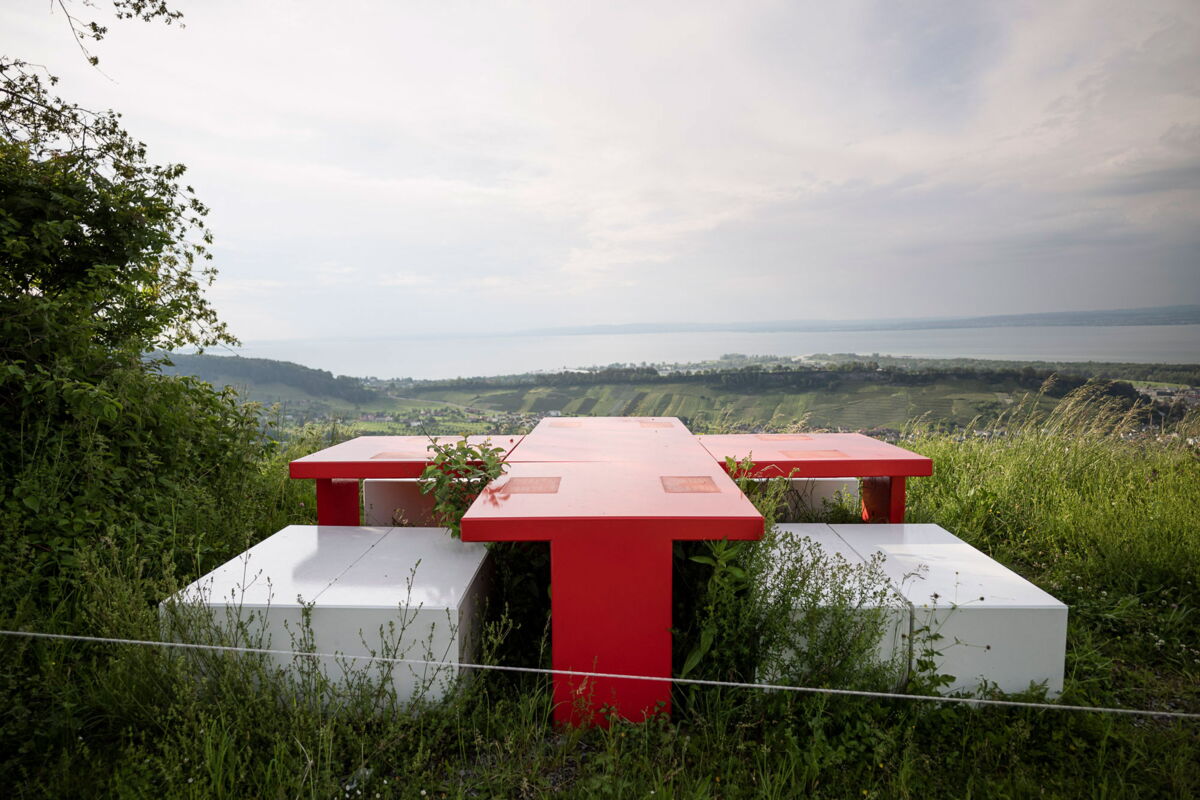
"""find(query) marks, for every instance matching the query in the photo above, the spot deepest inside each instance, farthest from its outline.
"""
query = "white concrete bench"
(411, 593)
(396, 501)
(993, 625)
(817, 494)
(890, 611)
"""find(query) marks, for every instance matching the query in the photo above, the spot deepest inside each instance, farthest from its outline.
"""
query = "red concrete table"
(610, 495)
(604, 439)
(611, 525)
(884, 467)
(338, 469)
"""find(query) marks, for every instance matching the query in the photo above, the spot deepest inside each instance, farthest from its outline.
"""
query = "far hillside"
(307, 391)
(851, 400)
(841, 391)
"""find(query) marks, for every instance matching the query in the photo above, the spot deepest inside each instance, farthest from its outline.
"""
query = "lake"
(461, 356)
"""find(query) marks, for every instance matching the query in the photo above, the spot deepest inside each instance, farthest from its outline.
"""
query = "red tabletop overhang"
(383, 456)
(818, 455)
(682, 498)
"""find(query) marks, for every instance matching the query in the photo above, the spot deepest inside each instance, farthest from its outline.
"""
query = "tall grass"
(1082, 484)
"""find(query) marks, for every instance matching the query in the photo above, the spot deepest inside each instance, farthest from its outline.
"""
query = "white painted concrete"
(992, 625)
(401, 592)
(396, 502)
(816, 494)
(886, 608)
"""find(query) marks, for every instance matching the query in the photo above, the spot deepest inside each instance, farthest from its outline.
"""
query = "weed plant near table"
(780, 609)
(457, 474)
(1099, 514)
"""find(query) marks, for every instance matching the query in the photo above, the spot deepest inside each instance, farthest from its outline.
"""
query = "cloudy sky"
(380, 168)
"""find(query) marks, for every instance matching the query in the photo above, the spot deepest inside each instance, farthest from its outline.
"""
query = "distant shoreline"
(1159, 315)
(449, 355)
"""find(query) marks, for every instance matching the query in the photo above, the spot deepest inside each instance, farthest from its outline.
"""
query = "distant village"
(1189, 396)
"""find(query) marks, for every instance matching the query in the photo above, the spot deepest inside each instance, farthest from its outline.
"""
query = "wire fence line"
(971, 701)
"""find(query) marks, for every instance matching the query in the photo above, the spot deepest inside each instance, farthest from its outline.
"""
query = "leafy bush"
(456, 475)
(778, 609)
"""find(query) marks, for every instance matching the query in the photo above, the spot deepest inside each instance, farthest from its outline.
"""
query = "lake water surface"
(450, 356)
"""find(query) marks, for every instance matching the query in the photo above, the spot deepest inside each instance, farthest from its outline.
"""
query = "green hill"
(269, 381)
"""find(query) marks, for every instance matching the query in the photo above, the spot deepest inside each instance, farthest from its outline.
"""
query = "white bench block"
(894, 611)
(817, 493)
(411, 593)
(394, 501)
(994, 624)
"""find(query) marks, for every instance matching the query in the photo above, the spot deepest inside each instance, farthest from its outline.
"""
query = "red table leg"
(883, 499)
(611, 612)
(897, 500)
(876, 499)
(337, 501)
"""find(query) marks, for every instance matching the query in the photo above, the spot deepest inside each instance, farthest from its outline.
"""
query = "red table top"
(685, 497)
(611, 424)
(605, 439)
(382, 456)
(818, 455)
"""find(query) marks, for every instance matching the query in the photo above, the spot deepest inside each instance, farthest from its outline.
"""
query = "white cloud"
(763, 158)
(407, 280)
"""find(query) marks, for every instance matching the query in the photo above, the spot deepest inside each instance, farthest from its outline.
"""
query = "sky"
(379, 169)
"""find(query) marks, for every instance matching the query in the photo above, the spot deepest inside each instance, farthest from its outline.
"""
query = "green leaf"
(698, 652)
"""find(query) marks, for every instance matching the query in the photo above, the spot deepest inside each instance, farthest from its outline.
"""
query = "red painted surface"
(612, 613)
(604, 439)
(610, 525)
(337, 501)
(883, 466)
(338, 469)
(818, 455)
(382, 456)
(630, 491)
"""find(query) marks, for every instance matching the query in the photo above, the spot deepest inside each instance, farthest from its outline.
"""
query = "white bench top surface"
(927, 560)
(345, 567)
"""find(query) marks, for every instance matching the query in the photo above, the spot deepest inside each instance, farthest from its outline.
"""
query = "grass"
(1075, 501)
